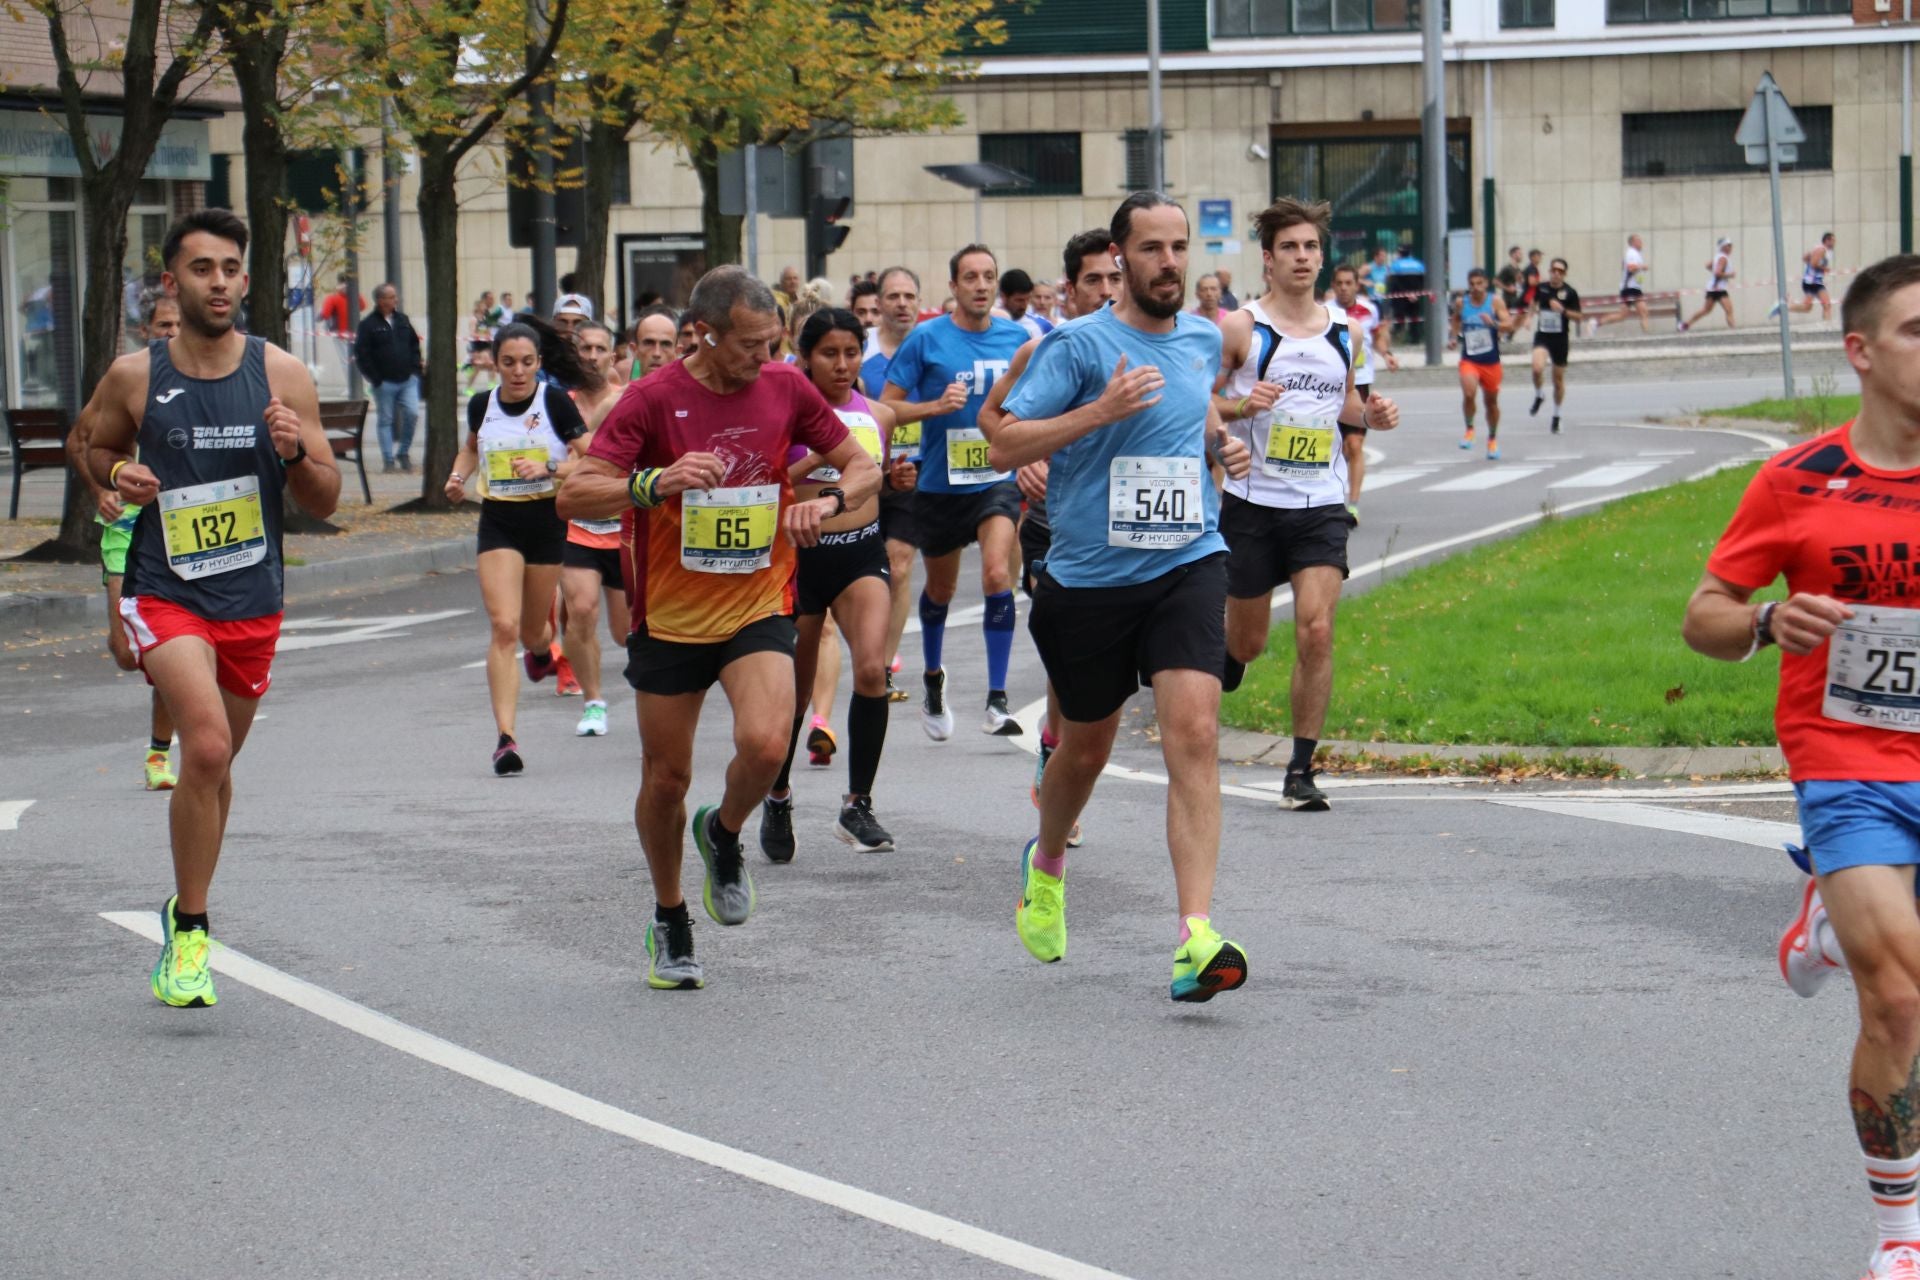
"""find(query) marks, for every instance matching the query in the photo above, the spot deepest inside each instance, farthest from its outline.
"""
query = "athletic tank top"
(504, 436)
(1717, 283)
(865, 431)
(1297, 459)
(1479, 331)
(603, 535)
(1816, 272)
(1632, 268)
(211, 544)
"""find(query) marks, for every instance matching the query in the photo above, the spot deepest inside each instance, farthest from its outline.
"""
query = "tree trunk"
(439, 208)
(256, 70)
(604, 142)
(722, 231)
(105, 199)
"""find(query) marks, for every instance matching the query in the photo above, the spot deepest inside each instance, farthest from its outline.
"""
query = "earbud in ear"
(711, 342)
(1119, 261)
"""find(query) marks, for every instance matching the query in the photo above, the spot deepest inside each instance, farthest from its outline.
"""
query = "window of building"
(317, 180)
(1319, 17)
(1679, 144)
(1135, 178)
(1051, 160)
(1526, 13)
(1710, 10)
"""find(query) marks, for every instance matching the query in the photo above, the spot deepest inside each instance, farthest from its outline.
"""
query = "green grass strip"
(1567, 635)
(1808, 413)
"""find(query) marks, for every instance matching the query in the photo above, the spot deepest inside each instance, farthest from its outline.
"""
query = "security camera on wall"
(1256, 152)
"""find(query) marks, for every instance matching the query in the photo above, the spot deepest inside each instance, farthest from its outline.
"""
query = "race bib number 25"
(1873, 670)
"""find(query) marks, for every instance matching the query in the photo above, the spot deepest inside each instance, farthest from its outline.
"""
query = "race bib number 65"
(1873, 670)
(728, 530)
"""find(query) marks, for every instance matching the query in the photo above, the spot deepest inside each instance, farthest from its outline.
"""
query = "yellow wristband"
(113, 472)
(1240, 410)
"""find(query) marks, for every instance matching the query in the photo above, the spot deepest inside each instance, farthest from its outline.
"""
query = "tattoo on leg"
(1889, 1127)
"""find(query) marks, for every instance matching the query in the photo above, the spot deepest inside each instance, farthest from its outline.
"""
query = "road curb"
(26, 611)
(1238, 746)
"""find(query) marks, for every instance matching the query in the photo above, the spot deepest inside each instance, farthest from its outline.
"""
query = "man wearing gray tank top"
(223, 423)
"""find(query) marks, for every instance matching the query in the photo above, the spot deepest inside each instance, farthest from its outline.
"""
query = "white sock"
(1896, 1208)
(1820, 933)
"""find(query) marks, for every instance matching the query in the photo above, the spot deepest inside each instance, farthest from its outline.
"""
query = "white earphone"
(711, 342)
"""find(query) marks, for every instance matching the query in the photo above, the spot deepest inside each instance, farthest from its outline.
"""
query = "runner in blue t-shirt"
(1135, 583)
(939, 378)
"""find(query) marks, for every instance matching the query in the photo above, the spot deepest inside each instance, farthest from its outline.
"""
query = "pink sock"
(1055, 866)
(1047, 738)
(1185, 931)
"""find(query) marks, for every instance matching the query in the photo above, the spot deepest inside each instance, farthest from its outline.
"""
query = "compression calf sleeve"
(933, 631)
(998, 626)
(866, 735)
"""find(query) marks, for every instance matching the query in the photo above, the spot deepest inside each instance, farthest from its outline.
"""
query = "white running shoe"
(593, 721)
(936, 717)
(1803, 961)
(1902, 1262)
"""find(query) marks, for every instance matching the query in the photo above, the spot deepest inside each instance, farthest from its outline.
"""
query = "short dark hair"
(681, 321)
(1291, 211)
(825, 321)
(1867, 296)
(1122, 225)
(1558, 262)
(224, 223)
(724, 288)
(865, 289)
(1015, 281)
(1082, 247)
(601, 325)
(908, 272)
(1471, 272)
(953, 263)
(1349, 269)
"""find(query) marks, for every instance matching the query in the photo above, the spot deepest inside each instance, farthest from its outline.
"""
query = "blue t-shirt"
(1071, 367)
(873, 372)
(936, 354)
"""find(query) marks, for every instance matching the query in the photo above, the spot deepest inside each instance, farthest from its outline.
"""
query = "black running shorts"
(666, 667)
(604, 561)
(1100, 644)
(899, 516)
(950, 521)
(1266, 546)
(837, 562)
(534, 529)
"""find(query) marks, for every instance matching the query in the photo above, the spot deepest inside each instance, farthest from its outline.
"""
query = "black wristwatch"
(838, 495)
(297, 458)
(1763, 624)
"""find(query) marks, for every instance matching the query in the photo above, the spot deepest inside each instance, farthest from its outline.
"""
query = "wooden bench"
(345, 422)
(38, 438)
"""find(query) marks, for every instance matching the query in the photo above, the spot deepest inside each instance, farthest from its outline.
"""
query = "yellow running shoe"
(1206, 964)
(1041, 916)
(181, 977)
(160, 776)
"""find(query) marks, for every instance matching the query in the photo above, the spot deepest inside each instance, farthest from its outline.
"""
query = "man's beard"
(1145, 300)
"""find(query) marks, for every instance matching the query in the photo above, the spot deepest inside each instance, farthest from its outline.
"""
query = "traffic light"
(825, 230)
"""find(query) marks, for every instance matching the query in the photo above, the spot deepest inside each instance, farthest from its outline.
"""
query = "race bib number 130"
(967, 458)
(1873, 670)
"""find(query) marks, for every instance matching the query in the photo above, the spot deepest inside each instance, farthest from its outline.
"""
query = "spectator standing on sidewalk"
(388, 353)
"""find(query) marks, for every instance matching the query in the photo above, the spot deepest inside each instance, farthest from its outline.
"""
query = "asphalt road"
(1489, 1031)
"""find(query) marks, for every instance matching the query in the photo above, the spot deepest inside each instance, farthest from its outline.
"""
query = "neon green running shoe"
(729, 895)
(1206, 964)
(180, 977)
(1041, 916)
(160, 776)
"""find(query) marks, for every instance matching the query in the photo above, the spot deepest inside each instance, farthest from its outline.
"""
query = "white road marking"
(955, 617)
(1378, 480)
(431, 1049)
(1614, 473)
(1490, 478)
(10, 811)
(1718, 826)
(333, 631)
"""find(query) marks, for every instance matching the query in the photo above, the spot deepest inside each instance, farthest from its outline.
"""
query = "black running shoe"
(1538, 400)
(999, 721)
(1230, 679)
(506, 758)
(859, 829)
(1301, 795)
(776, 829)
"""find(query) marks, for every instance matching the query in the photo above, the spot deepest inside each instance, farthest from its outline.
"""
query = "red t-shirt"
(1835, 527)
(333, 313)
(668, 414)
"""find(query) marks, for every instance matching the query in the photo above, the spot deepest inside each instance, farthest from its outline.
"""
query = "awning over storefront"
(36, 144)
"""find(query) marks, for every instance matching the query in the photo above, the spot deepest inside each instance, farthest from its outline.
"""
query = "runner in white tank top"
(1287, 391)
(1719, 273)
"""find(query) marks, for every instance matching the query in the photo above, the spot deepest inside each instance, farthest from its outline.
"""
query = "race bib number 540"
(1873, 670)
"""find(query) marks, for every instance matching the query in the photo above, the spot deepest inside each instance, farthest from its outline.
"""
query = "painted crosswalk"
(1592, 471)
(1606, 477)
(1491, 477)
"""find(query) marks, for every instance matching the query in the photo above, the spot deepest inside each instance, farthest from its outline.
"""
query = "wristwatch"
(297, 458)
(1763, 624)
(838, 495)
(552, 466)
